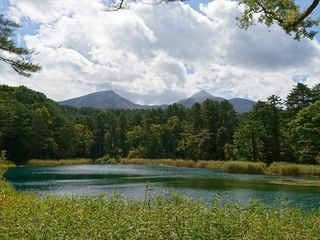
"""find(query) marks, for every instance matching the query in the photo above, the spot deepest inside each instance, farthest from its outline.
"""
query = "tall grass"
(290, 169)
(245, 167)
(164, 162)
(44, 162)
(226, 166)
(27, 216)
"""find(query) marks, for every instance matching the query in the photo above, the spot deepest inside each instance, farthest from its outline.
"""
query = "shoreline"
(236, 167)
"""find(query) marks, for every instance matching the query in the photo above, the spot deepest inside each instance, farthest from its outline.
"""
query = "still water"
(133, 180)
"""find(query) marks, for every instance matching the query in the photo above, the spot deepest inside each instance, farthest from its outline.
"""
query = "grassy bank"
(43, 162)
(27, 216)
(279, 169)
(290, 169)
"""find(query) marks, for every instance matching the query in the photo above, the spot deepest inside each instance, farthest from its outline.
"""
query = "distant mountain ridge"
(103, 99)
(111, 100)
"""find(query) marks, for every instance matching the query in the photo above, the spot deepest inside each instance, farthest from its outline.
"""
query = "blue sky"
(157, 54)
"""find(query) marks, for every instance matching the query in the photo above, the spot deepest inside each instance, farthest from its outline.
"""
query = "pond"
(138, 182)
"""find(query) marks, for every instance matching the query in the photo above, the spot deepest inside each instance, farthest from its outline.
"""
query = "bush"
(4, 164)
(2, 155)
(106, 160)
(136, 152)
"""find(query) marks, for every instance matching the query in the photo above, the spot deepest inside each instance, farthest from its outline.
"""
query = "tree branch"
(305, 14)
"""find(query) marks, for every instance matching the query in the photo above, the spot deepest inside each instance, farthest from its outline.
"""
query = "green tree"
(15, 129)
(43, 145)
(222, 139)
(153, 142)
(194, 143)
(304, 131)
(84, 139)
(171, 136)
(16, 57)
(316, 93)
(248, 140)
(211, 116)
(122, 128)
(274, 103)
(299, 98)
(136, 140)
(195, 115)
(99, 133)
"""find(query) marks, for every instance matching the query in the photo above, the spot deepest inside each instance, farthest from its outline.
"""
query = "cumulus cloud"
(158, 54)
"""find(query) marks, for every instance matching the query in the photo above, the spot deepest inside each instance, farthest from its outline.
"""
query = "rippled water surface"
(133, 180)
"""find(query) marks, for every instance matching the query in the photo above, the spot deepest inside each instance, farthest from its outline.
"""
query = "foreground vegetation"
(27, 216)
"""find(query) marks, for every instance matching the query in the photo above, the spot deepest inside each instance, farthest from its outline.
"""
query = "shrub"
(4, 163)
(106, 160)
(2, 155)
(136, 152)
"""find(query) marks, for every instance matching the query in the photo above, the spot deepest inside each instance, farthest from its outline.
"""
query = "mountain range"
(111, 100)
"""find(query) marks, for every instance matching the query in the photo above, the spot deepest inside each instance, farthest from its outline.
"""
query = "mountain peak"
(202, 94)
(110, 91)
(103, 99)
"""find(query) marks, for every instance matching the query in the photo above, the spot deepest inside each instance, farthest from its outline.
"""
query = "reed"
(290, 169)
(244, 167)
(48, 162)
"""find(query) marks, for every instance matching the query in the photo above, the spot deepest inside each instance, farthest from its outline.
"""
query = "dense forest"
(32, 126)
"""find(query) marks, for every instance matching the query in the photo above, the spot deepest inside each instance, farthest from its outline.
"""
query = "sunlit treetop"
(286, 13)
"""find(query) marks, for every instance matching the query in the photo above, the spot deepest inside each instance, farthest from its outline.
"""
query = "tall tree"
(316, 93)
(122, 128)
(299, 98)
(194, 143)
(304, 131)
(248, 140)
(275, 126)
(195, 115)
(84, 138)
(211, 116)
(171, 136)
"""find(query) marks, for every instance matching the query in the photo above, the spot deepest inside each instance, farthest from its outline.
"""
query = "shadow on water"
(131, 181)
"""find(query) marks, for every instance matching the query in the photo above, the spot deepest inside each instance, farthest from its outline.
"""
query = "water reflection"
(131, 182)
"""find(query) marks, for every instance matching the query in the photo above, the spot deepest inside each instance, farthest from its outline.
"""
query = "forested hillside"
(32, 126)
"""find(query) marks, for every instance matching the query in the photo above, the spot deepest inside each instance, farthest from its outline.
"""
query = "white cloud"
(145, 53)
